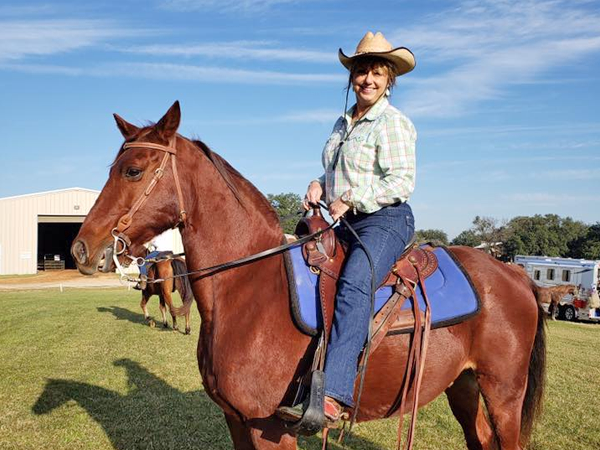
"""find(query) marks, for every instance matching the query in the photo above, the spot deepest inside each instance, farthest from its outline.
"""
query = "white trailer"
(585, 274)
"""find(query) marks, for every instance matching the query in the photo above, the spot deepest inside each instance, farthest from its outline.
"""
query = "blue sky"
(504, 97)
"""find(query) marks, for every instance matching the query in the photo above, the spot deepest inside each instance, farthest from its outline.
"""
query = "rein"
(121, 242)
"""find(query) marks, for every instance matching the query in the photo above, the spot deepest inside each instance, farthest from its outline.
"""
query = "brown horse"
(166, 270)
(553, 295)
(251, 354)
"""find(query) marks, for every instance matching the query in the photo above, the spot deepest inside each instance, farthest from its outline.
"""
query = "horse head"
(141, 198)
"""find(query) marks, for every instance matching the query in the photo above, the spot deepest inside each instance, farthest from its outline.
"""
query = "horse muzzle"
(88, 264)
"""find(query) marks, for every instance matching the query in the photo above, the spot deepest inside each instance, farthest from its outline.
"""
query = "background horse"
(251, 355)
(553, 296)
(166, 270)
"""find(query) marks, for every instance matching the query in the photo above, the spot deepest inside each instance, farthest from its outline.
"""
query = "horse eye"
(133, 173)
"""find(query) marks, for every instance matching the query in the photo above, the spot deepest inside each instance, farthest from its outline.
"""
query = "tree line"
(543, 235)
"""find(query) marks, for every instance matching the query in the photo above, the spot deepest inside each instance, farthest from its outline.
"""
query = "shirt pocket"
(358, 154)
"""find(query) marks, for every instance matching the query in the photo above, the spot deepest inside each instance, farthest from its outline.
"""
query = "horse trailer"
(584, 274)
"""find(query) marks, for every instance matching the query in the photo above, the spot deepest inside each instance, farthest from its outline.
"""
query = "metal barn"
(37, 230)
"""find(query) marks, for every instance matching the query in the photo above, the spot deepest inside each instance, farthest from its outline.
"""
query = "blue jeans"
(385, 233)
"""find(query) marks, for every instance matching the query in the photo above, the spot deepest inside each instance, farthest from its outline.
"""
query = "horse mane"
(231, 176)
(222, 166)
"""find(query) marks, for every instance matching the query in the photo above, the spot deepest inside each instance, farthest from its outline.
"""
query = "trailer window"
(536, 274)
(550, 274)
(566, 275)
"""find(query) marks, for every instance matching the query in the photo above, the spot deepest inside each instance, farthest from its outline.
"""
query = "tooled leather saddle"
(325, 256)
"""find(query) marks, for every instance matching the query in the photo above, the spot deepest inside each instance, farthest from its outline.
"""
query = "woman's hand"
(338, 208)
(313, 194)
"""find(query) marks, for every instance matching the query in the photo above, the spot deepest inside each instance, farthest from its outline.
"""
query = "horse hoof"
(187, 331)
(152, 323)
(165, 325)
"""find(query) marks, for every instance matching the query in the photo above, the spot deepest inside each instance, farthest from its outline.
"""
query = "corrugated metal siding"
(18, 224)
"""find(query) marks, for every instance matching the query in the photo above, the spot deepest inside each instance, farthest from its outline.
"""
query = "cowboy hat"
(377, 45)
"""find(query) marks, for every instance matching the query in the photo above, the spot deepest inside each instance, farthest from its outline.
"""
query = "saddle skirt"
(450, 292)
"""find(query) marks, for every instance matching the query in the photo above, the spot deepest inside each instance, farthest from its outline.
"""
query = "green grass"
(81, 370)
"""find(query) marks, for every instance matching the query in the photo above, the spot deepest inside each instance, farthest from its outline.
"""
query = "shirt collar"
(376, 110)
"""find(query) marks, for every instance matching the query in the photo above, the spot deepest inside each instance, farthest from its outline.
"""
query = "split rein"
(211, 270)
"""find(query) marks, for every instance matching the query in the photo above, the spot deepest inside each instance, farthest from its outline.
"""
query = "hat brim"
(402, 58)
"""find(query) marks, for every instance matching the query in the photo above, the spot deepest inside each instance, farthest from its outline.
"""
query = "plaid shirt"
(376, 162)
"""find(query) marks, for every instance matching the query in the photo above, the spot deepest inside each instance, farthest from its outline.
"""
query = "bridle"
(121, 240)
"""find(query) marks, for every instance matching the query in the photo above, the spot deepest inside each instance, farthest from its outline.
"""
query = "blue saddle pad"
(451, 294)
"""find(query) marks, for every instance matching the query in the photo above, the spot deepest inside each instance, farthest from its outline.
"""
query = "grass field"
(81, 370)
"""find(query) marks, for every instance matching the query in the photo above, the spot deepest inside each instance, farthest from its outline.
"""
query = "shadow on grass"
(153, 414)
(137, 318)
(123, 314)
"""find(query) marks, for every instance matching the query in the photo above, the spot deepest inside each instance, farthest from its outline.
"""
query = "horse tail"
(182, 284)
(536, 378)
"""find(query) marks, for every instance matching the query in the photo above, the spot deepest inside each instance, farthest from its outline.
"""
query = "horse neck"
(223, 226)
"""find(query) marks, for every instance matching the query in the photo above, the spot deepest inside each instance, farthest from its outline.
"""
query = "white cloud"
(242, 50)
(200, 74)
(568, 174)
(550, 199)
(27, 38)
(489, 44)
(167, 71)
(224, 5)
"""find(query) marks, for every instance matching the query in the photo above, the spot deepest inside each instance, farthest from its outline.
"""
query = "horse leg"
(169, 301)
(552, 309)
(463, 397)
(240, 434)
(163, 311)
(143, 305)
(188, 329)
(503, 391)
(270, 434)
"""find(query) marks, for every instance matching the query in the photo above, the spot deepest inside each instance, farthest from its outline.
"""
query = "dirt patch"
(60, 279)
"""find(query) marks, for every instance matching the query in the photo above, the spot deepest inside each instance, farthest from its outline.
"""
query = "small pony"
(169, 270)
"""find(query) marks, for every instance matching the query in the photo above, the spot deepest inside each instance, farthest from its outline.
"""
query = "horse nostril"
(79, 252)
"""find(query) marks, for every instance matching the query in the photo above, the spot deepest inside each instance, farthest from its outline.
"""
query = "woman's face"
(369, 84)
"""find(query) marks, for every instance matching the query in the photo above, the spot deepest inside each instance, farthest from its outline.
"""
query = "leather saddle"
(326, 255)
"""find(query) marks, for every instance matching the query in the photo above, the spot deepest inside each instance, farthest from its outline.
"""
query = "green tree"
(588, 246)
(287, 207)
(436, 236)
(468, 238)
(548, 235)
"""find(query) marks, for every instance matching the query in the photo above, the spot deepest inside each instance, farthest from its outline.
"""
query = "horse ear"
(167, 126)
(127, 130)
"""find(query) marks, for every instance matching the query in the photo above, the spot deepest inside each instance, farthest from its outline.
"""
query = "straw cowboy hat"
(377, 45)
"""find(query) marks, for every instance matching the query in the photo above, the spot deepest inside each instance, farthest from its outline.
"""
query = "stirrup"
(313, 418)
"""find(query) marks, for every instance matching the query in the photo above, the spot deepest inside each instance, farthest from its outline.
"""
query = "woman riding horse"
(369, 163)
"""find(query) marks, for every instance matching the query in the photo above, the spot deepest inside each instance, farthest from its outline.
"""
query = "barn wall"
(19, 225)
(19, 219)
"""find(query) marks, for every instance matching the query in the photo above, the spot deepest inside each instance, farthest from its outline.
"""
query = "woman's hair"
(369, 62)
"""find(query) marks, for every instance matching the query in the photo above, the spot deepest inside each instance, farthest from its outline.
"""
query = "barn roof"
(51, 192)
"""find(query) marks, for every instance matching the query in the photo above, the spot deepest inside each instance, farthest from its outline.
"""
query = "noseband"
(121, 240)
